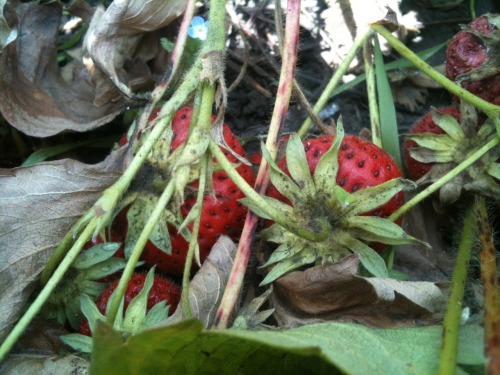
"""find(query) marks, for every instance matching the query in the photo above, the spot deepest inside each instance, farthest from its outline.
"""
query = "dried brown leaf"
(119, 34)
(34, 97)
(335, 293)
(38, 205)
(31, 364)
(207, 286)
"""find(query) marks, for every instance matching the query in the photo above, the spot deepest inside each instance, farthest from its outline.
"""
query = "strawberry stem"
(451, 323)
(334, 81)
(489, 277)
(446, 178)
(44, 294)
(372, 93)
(289, 53)
(490, 109)
(137, 251)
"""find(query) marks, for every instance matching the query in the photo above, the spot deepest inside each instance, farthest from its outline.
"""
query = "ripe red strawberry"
(339, 189)
(426, 124)
(471, 56)
(162, 290)
(361, 165)
(221, 212)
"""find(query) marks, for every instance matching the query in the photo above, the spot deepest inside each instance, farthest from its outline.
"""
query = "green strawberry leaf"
(323, 348)
(79, 342)
(296, 162)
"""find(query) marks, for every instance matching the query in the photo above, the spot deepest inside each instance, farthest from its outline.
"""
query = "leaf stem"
(44, 294)
(372, 93)
(445, 179)
(451, 324)
(490, 109)
(489, 278)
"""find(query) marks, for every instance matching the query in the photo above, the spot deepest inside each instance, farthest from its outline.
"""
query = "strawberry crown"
(451, 148)
(318, 201)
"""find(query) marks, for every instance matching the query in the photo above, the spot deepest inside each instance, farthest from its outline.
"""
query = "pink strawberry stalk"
(235, 281)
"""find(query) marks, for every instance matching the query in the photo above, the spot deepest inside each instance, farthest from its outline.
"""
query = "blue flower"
(198, 29)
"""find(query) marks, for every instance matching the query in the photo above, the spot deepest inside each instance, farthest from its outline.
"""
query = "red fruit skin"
(426, 124)
(466, 52)
(162, 290)
(361, 165)
(221, 213)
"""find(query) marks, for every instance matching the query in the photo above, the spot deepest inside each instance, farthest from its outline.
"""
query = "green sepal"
(438, 142)
(494, 170)
(157, 314)
(279, 179)
(425, 155)
(369, 258)
(373, 197)
(92, 288)
(90, 310)
(159, 155)
(377, 229)
(135, 315)
(95, 255)
(449, 124)
(342, 198)
(281, 207)
(288, 265)
(81, 343)
(296, 161)
(283, 252)
(106, 268)
(275, 233)
(194, 148)
(326, 171)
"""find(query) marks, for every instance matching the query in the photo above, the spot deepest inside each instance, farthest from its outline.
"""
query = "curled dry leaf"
(38, 205)
(207, 286)
(120, 36)
(34, 97)
(335, 293)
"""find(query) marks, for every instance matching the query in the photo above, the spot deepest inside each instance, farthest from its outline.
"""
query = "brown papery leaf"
(31, 364)
(34, 98)
(335, 293)
(120, 34)
(207, 286)
(38, 205)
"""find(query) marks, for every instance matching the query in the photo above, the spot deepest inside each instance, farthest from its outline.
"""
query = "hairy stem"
(137, 251)
(49, 287)
(490, 109)
(445, 179)
(451, 324)
(289, 52)
(489, 278)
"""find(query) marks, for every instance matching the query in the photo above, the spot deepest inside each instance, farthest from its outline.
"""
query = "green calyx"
(82, 279)
(459, 141)
(135, 319)
(318, 201)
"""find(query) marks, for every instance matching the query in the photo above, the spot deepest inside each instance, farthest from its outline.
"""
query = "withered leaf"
(119, 34)
(335, 293)
(38, 205)
(32, 364)
(34, 97)
(207, 286)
